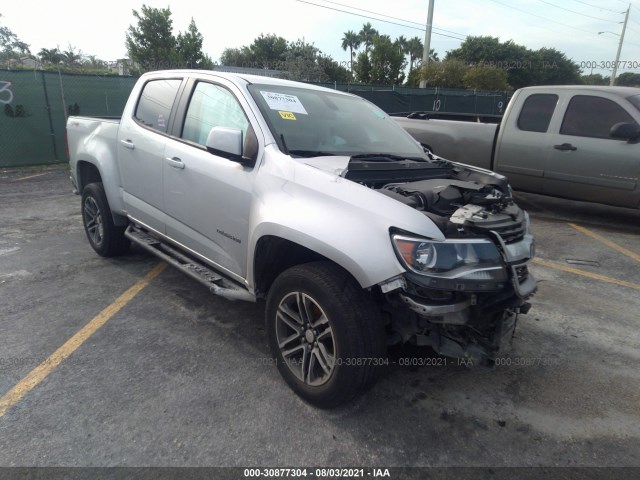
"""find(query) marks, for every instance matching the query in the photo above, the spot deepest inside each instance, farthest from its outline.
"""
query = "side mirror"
(625, 131)
(226, 142)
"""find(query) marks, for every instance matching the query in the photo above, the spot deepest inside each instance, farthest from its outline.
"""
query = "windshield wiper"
(384, 157)
(311, 153)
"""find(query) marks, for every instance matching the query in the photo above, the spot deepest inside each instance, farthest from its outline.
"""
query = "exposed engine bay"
(455, 297)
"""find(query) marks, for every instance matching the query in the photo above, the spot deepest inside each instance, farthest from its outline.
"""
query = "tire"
(334, 349)
(104, 237)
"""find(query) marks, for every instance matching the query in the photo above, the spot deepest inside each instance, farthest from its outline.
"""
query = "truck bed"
(454, 140)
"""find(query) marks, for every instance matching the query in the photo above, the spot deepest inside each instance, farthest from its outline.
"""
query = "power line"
(596, 6)
(578, 13)
(395, 18)
(377, 19)
(544, 18)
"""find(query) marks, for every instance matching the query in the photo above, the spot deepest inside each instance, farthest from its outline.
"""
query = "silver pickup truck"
(317, 202)
(577, 142)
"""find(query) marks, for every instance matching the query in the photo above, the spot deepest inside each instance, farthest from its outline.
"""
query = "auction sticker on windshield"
(284, 102)
(287, 115)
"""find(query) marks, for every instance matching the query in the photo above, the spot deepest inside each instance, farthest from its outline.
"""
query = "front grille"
(511, 233)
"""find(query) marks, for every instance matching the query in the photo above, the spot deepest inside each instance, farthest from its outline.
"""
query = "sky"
(571, 26)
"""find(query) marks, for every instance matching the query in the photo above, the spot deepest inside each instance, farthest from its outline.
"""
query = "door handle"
(565, 147)
(128, 144)
(175, 162)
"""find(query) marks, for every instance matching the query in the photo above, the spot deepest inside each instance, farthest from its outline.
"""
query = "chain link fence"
(35, 105)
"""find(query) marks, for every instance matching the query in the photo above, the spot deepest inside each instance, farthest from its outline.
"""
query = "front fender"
(345, 222)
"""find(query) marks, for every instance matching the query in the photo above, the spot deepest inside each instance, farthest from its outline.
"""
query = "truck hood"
(336, 165)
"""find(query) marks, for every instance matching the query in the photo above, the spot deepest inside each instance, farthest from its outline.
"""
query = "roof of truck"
(620, 91)
(246, 79)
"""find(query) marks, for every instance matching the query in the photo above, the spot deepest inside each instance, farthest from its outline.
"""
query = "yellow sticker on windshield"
(287, 115)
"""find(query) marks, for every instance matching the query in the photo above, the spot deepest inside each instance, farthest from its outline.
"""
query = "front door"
(208, 197)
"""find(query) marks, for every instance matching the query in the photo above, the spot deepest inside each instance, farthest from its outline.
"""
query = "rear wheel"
(325, 333)
(105, 238)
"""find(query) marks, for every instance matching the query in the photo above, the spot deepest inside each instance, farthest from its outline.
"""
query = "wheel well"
(273, 256)
(87, 173)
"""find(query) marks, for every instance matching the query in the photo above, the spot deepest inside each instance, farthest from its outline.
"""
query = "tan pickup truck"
(578, 142)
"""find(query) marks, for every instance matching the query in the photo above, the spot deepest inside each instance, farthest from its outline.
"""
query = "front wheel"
(105, 238)
(325, 333)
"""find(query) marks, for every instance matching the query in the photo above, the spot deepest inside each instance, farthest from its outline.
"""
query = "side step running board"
(215, 282)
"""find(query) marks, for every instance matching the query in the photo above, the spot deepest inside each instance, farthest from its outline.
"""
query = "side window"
(212, 106)
(537, 112)
(156, 100)
(589, 116)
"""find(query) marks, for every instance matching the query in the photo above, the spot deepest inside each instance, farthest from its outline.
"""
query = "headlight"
(464, 259)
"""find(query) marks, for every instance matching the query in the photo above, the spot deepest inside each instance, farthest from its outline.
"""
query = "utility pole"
(612, 82)
(427, 40)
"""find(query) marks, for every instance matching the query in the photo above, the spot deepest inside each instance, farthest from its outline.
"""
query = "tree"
(402, 42)
(362, 68)
(333, 70)
(446, 74)
(298, 60)
(71, 57)
(414, 49)
(351, 40)
(151, 43)
(11, 47)
(93, 62)
(487, 50)
(628, 79)
(189, 48)
(387, 61)
(268, 50)
(367, 34)
(524, 66)
(485, 77)
(236, 57)
(594, 79)
(50, 56)
(554, 68)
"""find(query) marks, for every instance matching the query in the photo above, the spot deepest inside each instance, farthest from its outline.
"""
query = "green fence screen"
(34, 106)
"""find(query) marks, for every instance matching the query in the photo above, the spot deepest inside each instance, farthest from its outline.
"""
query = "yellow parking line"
(30, 176)
(41, 372)
(584, 273)
(607, 242)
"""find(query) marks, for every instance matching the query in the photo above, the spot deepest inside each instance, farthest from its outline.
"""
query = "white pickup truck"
(578, 142)
(317, 202)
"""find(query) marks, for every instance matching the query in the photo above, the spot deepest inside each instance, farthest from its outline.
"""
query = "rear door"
(141, 144)
(208, 197)
(585, 162)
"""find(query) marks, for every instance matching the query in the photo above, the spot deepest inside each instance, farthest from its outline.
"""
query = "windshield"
(316, 122)
(635, 101)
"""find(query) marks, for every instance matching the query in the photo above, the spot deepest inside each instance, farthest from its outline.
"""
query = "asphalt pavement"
(178, 377)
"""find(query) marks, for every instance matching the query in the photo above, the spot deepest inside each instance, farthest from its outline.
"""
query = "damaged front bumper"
(470, 318)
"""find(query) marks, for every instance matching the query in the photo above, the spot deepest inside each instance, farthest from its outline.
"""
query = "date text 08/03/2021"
(316, 472)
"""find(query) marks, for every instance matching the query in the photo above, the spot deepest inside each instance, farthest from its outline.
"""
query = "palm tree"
(414, 50)
(401, 42)
(71, 57)
(367, 34)
(50, 56)
(351, 40)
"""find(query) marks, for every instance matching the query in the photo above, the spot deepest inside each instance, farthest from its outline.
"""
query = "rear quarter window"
(156, 101)
(536, 112)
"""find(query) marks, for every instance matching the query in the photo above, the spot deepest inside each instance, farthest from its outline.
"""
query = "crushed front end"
(461, 296)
